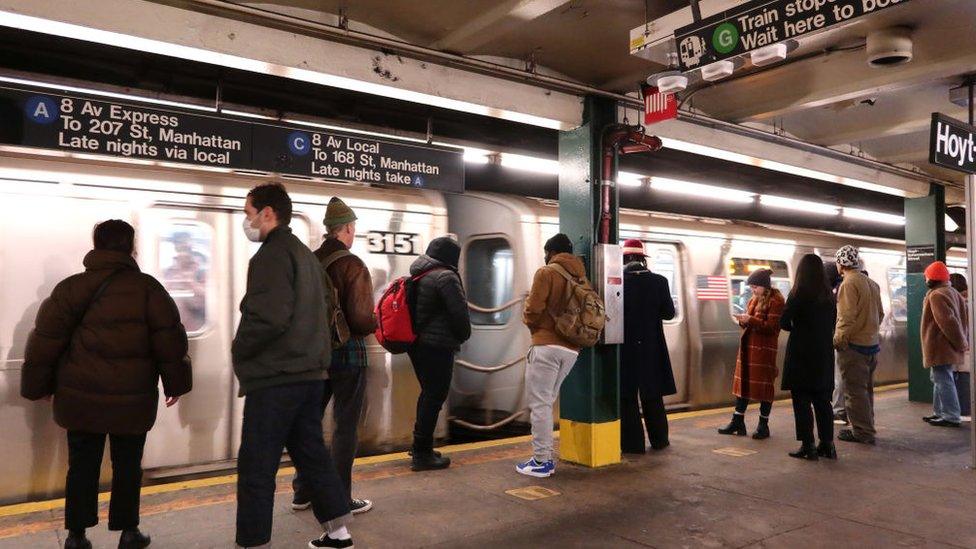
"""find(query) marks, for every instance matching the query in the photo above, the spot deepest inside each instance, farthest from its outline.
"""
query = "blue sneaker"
(534, 468)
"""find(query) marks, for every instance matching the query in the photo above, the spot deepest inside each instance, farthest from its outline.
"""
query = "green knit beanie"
(337, 213)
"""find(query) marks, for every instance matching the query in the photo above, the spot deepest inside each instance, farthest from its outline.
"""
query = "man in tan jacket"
(857, 340)
(551, 357)
(944, 343)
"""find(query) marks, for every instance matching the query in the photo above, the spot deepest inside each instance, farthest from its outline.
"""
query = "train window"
(898, 290)
(185, 260)
(489, 272)
(739, 270)
(664, 261)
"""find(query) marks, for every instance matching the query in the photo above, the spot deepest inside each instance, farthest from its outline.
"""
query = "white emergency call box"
(608, 279)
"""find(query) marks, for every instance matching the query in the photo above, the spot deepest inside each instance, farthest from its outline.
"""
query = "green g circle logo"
(726, 38)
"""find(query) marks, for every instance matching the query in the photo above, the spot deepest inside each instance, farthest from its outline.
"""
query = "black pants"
(275, 418)
(742, 403)
(822, 408)
(434, 367)
(85, 452)
(655, 416)
(346, 388)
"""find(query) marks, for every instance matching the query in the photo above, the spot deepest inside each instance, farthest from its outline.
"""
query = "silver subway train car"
(188, 236)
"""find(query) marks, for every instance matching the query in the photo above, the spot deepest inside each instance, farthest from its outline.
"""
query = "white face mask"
(253, 234)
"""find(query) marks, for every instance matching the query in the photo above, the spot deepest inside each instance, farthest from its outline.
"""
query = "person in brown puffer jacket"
(101, 343)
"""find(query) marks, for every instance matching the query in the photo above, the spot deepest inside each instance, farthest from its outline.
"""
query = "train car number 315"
(383, 242)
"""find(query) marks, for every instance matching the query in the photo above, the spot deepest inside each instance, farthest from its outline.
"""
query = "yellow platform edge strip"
(47, 505)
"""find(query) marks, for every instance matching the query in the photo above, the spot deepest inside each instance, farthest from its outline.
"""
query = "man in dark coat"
(281, 356)
(645, 365)
(102, 342)
(441, 322)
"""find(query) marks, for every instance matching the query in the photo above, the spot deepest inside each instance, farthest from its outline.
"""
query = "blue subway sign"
(760, 23)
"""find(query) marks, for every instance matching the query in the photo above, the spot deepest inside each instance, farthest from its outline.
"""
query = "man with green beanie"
(346, 385)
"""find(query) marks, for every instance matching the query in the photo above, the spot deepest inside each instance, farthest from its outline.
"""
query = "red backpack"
(394, 322)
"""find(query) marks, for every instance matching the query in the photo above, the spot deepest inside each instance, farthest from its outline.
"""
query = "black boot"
(735, 427)
(806, 451)
(827, 450)
(762, 431)
(76, 540)
(428, 460)
(133, 539)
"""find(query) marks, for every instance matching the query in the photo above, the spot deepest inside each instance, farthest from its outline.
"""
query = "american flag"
(712, 288)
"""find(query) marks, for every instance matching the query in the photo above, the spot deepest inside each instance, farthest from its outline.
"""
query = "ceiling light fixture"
(717, 70)
(870, 215)
(701, 191)
(798, 205)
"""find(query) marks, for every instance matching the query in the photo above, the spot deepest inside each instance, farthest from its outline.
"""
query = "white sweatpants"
(547, 367)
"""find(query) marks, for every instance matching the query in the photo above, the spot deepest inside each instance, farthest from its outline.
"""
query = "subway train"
(188, 236)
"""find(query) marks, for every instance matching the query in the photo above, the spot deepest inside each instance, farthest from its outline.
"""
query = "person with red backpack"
(352, 320)
(559, 331)
(439, 313)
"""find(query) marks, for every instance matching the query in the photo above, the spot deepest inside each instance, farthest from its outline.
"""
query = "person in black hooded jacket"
(441, 322)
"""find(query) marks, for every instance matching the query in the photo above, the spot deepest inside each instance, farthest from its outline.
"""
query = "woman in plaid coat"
(755, 368)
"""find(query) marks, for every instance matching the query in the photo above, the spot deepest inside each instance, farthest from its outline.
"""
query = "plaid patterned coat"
(755, 367)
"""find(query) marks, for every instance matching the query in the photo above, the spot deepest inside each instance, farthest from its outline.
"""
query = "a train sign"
(760, 23)
(952, 144)
(93, 126)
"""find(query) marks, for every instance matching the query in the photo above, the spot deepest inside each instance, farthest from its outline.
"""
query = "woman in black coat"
(645, 367)
(808, 371)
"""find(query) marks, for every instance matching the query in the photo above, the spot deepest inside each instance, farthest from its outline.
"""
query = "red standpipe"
(619, 139)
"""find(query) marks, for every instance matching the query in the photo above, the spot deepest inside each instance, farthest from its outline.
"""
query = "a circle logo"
(41, 109)
(299, 143)
(725, 38)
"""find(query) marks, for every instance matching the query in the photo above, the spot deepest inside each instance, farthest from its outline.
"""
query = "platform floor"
(914, 489)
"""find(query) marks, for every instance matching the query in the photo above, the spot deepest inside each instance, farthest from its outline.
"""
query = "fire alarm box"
(608, 280)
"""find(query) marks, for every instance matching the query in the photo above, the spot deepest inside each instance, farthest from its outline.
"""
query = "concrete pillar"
(589, 405)
(924, 234)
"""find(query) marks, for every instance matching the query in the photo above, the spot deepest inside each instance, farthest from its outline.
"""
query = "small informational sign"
(82, 125)
(344, 156)
(659, 107)
(919, 257)
(952, 144)
(77, 124)
(759, 23)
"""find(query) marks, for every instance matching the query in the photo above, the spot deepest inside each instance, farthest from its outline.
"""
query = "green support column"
(589, 408)
(924, 230)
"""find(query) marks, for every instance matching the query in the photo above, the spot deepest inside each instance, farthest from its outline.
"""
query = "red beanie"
(937, 271)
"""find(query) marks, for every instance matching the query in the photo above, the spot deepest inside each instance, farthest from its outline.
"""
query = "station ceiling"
(825, 93)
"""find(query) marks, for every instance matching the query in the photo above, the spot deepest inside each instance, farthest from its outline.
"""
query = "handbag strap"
(98, 293)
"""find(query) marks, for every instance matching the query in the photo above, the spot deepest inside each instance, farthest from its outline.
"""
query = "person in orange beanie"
(944, 342)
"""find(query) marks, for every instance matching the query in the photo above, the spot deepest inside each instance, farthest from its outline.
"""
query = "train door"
(664, 259)
(186, 250)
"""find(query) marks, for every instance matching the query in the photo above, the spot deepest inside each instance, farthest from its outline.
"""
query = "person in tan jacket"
(944, 343)
(551, 357)
(858, 342)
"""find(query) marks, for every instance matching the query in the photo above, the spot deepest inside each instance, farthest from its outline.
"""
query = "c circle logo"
(299, 143)
(725, 38)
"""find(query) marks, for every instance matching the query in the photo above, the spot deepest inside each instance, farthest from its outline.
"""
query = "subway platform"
(913, 489)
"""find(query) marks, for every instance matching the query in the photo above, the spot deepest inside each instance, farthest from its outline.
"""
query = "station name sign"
(761, 23)
(952, 144)
(38, 118)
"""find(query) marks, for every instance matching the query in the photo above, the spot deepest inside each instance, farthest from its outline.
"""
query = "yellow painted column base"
(589, 444)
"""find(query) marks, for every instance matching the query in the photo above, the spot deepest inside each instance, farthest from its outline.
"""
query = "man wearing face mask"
(281, 357)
